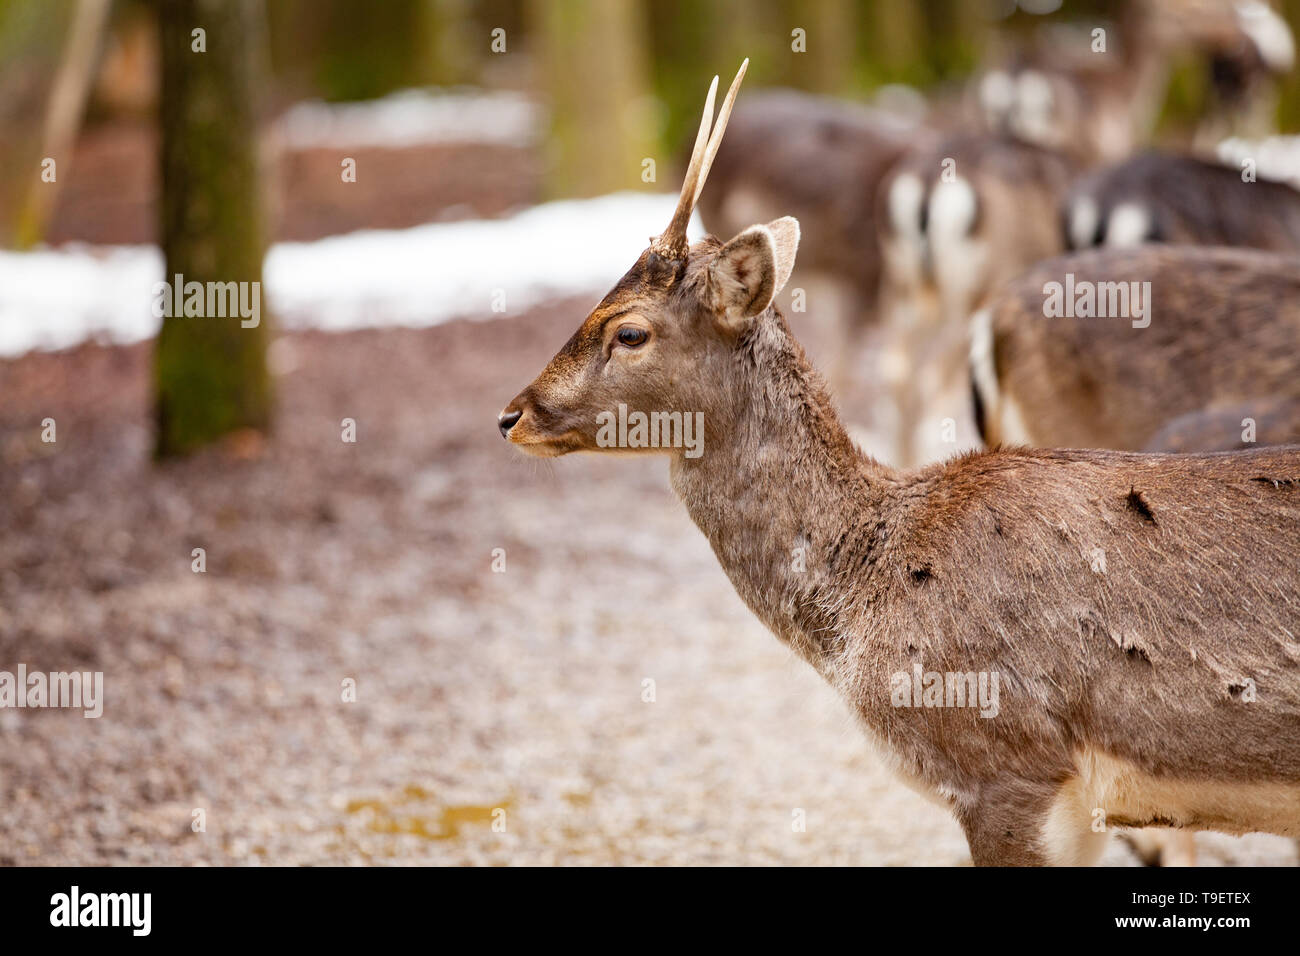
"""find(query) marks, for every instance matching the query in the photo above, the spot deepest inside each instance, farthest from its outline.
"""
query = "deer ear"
(785, 234)
(750, 270)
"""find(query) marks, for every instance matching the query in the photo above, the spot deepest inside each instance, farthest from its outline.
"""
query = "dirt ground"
(476, 691)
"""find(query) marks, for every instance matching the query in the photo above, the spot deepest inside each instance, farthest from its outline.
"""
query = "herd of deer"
(1137, 596)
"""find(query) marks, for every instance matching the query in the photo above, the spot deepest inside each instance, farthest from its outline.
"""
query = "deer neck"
(780, 491)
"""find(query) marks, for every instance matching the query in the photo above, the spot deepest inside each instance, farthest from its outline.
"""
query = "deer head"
(658, 341)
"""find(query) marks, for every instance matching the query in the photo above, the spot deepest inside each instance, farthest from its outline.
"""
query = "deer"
(957, 218)
(975, 210)
(1096, 91)
(1050, 643)
(1053, 89)
(1246, 47)
(1203, 359)
(1167, 197)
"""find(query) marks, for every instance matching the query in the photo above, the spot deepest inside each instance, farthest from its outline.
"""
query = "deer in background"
(1060, 90)
(1222, 345)
(958, 218)
(1246, 47)
(1053, 90)
(1159, 197)
(1141, 613)
(1056, 106)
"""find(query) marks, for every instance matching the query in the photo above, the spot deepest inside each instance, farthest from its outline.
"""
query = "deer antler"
(672, 244)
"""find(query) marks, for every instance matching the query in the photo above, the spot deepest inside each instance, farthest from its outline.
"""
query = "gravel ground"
(477, 691)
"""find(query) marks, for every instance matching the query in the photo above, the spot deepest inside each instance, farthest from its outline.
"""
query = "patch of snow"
(1276, 157)
(415, 118)
(56, 298)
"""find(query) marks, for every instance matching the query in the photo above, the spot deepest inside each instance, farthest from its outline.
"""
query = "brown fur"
(1221, 347)
(1102, 382)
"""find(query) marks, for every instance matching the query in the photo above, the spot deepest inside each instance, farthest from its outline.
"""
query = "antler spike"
(719, 127)
(672, 244)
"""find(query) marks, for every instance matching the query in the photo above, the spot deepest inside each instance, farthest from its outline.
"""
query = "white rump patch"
(905, 197)
(952, 209)
(960, 260)
(1084, 216)
(983, 369)
(997, 96)
(1129, 225)
(1035, 108)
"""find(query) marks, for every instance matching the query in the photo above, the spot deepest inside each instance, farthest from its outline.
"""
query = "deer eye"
(631, 336)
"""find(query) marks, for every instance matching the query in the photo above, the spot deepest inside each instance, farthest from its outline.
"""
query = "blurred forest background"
(585, 60)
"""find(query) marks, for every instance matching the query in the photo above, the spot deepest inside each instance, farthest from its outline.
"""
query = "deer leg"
(1179, 849)
(1145, 844)
(1159, 846)
(1030, 823)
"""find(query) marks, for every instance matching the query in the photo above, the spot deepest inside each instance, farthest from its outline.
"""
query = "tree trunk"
(897, 42)
(210, 370)
(594, 69)
(450, 48)
(832, 46)
(63, 114)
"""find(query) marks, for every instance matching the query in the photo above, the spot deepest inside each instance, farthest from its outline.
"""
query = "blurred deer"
(1215, 341)
(957, 219)
(1161, 197)
(1042, 641)
(1246, 47)
(1058, 91)
(1095, 90)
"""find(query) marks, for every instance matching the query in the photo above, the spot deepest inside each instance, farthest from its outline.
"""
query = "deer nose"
(506, 421)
